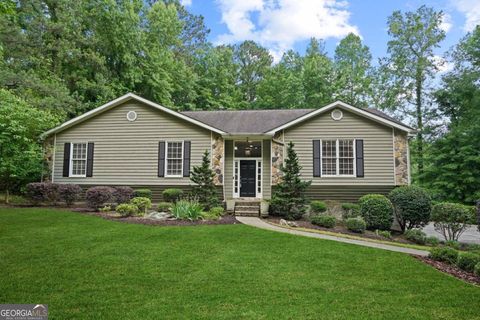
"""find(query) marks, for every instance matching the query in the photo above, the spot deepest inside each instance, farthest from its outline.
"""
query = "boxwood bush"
(350, 210)
(127, 209)
(356, 224)
(69, 193)
(144, 193)
(432, 241)
(172, 194)
(96, 197)
(164, 207)
(444, 254)
(317, 206)
(467, 261)
(412, 206)
(142, 203)
(326, 221)
(377, 211)
(213, 214)
(416, 236)
(123, 194)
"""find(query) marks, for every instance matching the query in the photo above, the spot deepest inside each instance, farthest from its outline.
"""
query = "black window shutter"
(186, 158)
(66, 159)
(317, 172)
(161, 159)
(359, 156)
(90, 147)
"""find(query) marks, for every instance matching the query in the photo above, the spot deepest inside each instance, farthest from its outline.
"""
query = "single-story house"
(345, 151)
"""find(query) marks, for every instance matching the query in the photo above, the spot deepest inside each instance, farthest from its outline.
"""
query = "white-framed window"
(174, 159)
(338, 157)
(78, 159)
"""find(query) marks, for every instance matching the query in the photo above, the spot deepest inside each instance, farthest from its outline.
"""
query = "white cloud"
(471, 10)
(446, 24)
(186, 3)
(442, 64)
(279, 24)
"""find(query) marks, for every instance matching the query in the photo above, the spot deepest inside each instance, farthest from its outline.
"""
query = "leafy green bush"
(350, 210)
(412, 206)
(384, 233)
(164, 207)
(318, 206)
(453, 244)
(356, 224)
(444, 254)
(96, 197)
(127, 209)
(477, 270)
(187, 209)
(142, 203)
(451, 219)
(172, 194)
(143, 193)
(432, 241)
(213, 214)
(377, 211)
(326, 221)
(106, 209)
(467, 261)
(416, 236)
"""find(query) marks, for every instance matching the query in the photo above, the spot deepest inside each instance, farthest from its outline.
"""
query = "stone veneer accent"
(218, 145)
(401, 158)
(277, 157)
(48, 151)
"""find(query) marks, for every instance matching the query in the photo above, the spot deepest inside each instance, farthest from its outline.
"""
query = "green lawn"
(85, 267)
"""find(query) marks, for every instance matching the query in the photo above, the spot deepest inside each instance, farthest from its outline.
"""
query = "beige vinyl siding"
(377, 140)
(228, 183)
(126, 153)
(266, 174)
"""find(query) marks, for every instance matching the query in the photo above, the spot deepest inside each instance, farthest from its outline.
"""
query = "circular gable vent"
(337, 114)
(131, 116)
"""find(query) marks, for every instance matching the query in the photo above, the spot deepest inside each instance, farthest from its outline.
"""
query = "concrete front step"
(247, 213)
(247, 208)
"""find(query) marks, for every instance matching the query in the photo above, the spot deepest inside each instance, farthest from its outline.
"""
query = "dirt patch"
(228, 219)
(452, 270)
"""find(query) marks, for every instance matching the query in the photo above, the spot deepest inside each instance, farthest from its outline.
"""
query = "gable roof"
(119, 101)
(247, 121)
(240, 122)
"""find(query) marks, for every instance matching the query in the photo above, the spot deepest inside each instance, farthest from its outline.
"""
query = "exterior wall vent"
(131, 116)
(337, 114)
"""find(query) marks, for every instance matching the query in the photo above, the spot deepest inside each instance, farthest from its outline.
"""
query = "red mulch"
(228, 219)
(451, 270)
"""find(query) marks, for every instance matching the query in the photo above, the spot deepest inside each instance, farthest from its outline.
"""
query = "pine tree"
(289, 198)
(204, 189)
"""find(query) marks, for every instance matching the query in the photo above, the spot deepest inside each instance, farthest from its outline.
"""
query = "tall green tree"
(204, 187)
(411, 63)
(353, 71)
(20, 149)
(253, 62)
(318, 76)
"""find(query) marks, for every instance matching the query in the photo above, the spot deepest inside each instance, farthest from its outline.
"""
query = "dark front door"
(247, 178)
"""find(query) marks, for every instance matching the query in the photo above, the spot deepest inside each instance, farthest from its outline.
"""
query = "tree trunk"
(419, 114)
(7, 196)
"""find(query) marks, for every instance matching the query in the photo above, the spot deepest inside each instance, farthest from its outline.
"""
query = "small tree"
(412, 206)
(289, 198)
(451, 219)
(204, 189)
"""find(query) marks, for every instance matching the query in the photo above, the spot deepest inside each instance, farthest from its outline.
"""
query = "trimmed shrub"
(477, 270)
(350, 210)
(187, 210)
(143, 193)
(96, 197)
(467, 261)
(453, 244)
(172, 194)
(46, 192)
(213, 214)
(356, 224)
(384, 233)
(444, 254)
(142, 203)
(377, 211)
(123, 194)
(416, 236)
(127, 209)
(326, 221)
(318, 206)
(69, 193)
(412, 206)
(451, 219)
(164, 207)
(106, 209)
(432, 241)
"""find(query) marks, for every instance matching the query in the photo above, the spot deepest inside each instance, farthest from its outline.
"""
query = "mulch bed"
(228, 219)
(451, 270)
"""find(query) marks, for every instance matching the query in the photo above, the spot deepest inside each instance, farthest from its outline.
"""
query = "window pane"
(79, 159)
(329, 154)
(346, 157)
(174, 158)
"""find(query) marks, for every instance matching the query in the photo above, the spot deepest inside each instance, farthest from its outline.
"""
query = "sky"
(280, 25)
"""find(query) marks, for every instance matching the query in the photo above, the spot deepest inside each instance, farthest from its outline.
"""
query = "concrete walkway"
(257, 222)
